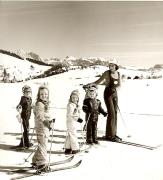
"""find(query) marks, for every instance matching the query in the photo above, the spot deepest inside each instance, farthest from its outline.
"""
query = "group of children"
(91, 106)
(44, 123)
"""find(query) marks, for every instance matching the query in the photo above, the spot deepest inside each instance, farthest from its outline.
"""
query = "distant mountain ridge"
(22, 66)
(18, 68)
(68, 60)
(15, 69)
(21, 57)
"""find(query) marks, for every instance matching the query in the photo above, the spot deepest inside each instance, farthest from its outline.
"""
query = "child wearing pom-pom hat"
(73, 116)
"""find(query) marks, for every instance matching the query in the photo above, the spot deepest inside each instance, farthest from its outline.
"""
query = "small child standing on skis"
(92, 108)
(24, 108)
(43, 124)
(73, 114)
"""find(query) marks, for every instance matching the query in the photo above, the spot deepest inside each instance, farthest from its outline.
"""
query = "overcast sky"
(130, 31)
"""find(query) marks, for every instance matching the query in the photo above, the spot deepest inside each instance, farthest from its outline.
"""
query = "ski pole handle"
(84, 128)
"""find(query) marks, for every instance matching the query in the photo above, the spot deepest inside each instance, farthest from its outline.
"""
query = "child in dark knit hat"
(92, 108)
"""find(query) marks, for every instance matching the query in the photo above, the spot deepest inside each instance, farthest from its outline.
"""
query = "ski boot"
(75, 151)
(117, 139)
(114, 139)
(30, 145)
(43, 169)
(95, 142)
(34, 165)
(88, 142)
(68, 151)
(18, 147)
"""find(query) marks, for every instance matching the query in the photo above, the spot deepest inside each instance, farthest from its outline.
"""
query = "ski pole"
(32, 135)
(22, 132)
(19, 109)
(50, 147)
(128, 135)
(84, 141)
(82, 135)
(26, 159)
(85, 126)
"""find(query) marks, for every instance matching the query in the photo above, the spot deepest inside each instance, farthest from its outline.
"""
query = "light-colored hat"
(75, 92)
(114, 61)
(26, 89)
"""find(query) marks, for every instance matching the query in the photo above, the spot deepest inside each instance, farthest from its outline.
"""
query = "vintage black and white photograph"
(81, 86)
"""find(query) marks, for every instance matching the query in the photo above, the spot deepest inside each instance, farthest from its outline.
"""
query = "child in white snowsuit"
(92, 108)
(24, 108)
(73, 114)
(43, 124)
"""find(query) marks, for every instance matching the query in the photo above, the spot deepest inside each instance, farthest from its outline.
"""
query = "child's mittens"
(105, 114)
(85, 108)
(51, 124)
(53, 120)
(80, 120)
(18, 116)
(47, 124)
(19, 108)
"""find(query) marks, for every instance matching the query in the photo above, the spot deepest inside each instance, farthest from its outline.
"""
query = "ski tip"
(158, 146)
(86, 151)
(71, 157)
(78, 163)
(129, 136)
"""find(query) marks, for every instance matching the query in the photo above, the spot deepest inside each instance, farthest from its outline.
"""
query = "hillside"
(19, 66)
(16, 69)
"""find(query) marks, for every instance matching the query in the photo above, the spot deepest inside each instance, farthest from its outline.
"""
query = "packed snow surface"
(141, 116)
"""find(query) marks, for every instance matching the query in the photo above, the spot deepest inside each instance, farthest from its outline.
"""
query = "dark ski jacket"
(26, 103)
(92, 108)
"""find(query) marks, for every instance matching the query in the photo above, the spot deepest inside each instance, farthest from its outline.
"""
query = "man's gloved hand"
(89, 85)
(85, 86)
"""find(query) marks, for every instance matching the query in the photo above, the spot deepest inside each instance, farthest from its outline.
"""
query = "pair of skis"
(132, 144)
(29, 171)
(138, 145)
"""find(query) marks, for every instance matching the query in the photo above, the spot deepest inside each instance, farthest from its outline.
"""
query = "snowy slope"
(21, 69)
(140, 102)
